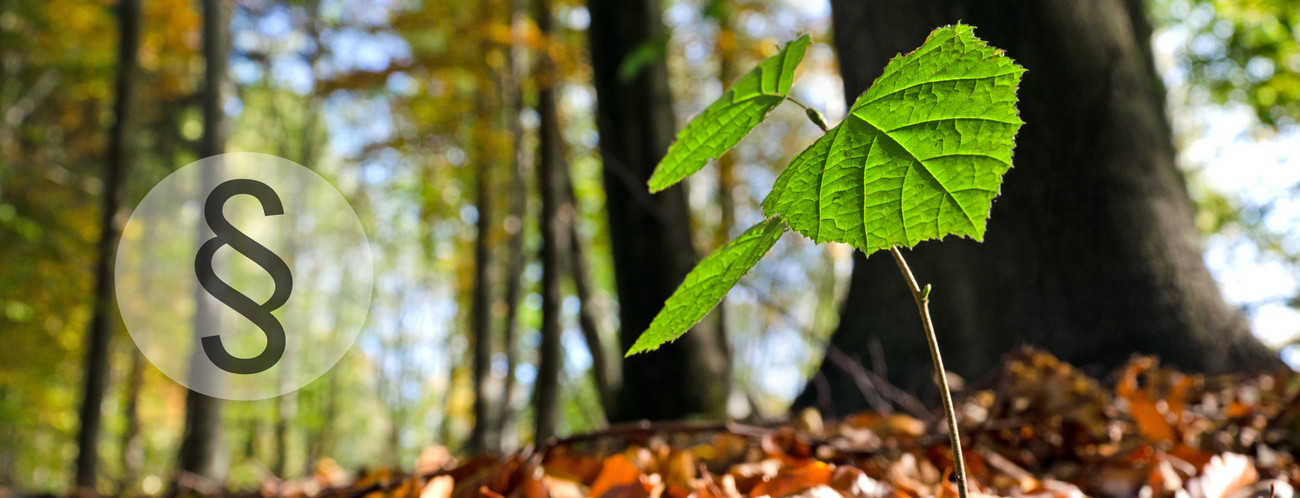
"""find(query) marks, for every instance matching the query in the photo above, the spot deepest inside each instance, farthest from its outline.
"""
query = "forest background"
(467, 136)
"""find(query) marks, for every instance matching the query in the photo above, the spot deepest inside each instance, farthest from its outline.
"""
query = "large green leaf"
(731, 117)
(920, 155)
(708, 283)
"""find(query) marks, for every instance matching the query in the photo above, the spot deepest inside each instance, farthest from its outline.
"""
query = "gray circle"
(302, 321)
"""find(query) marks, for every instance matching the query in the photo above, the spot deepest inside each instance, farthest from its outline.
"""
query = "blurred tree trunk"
(551, 181)
(132, 444)
(514, 222)
(1091, 251)
(483, 437)
(724, 47)
(650, 235)
(320, 437)
(490, 121)
(201, 444)
(603, 372)
(101, 321)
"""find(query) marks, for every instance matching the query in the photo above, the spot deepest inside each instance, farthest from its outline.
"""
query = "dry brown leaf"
(794, 479)
(1224, 475)
(532, 485)
(1142, 405)
(567, 463)
(748, 475)
(619, 477)
(854, 483)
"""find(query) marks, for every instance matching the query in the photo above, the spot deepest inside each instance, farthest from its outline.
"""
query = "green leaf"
(731, 117)
(643, 55)
(920, 156)
(707, 284)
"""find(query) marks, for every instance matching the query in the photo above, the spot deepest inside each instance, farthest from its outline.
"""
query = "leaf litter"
(1043, 429)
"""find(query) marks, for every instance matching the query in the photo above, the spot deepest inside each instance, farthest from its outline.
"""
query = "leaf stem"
(922, 298)
(813, 114)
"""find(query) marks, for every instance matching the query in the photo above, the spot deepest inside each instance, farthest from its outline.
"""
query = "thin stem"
(798, 103)
(923, 307)
(813, 114)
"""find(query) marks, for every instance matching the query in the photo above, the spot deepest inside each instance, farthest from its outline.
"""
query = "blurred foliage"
(1235, 79)
(1243, 51)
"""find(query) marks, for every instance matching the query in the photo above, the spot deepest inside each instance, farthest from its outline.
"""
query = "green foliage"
(721, 126)
(645, 54)
(1241, 51)
(708, 283)
(920, 156)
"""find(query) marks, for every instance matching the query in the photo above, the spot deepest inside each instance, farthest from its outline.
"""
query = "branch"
(922, 298)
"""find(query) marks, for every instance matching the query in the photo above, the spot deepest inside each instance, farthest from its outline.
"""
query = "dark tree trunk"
(201, 444)
(483, 438)
(650, 235)
(514, 104)
(551, 181)
(1090, 253)
(132, 444)
(497, 116)
(101, 321)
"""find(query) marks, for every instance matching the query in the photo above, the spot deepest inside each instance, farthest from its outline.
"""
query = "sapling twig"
(922, 298)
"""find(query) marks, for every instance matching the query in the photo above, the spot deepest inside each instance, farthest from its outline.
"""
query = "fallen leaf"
(793, 480)
(1224, 475)
(619, 477)
(1142, 405)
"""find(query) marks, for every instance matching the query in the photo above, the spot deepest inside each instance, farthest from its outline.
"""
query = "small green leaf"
(920, 155)
(643, 55)
(731, 117)
(707, 284)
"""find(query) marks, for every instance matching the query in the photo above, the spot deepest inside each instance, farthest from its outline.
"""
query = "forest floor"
(1042, 429)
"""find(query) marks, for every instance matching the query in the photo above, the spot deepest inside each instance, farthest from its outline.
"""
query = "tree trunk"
(132, 444)
(320, 438)
(602, 371)
(514, 225)
(483, 438)
(650, 235)
(551, 181)
(201, 444)
(514, 92)
(101, 321)
(1091, 251)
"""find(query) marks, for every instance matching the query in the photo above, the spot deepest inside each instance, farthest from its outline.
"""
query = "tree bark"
(483, 438)
(649, 234)
(101, 321)
(201, 444)
(132, 444)
(513, 96)
(1091, 251)
(496, 115)
(551, 180)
